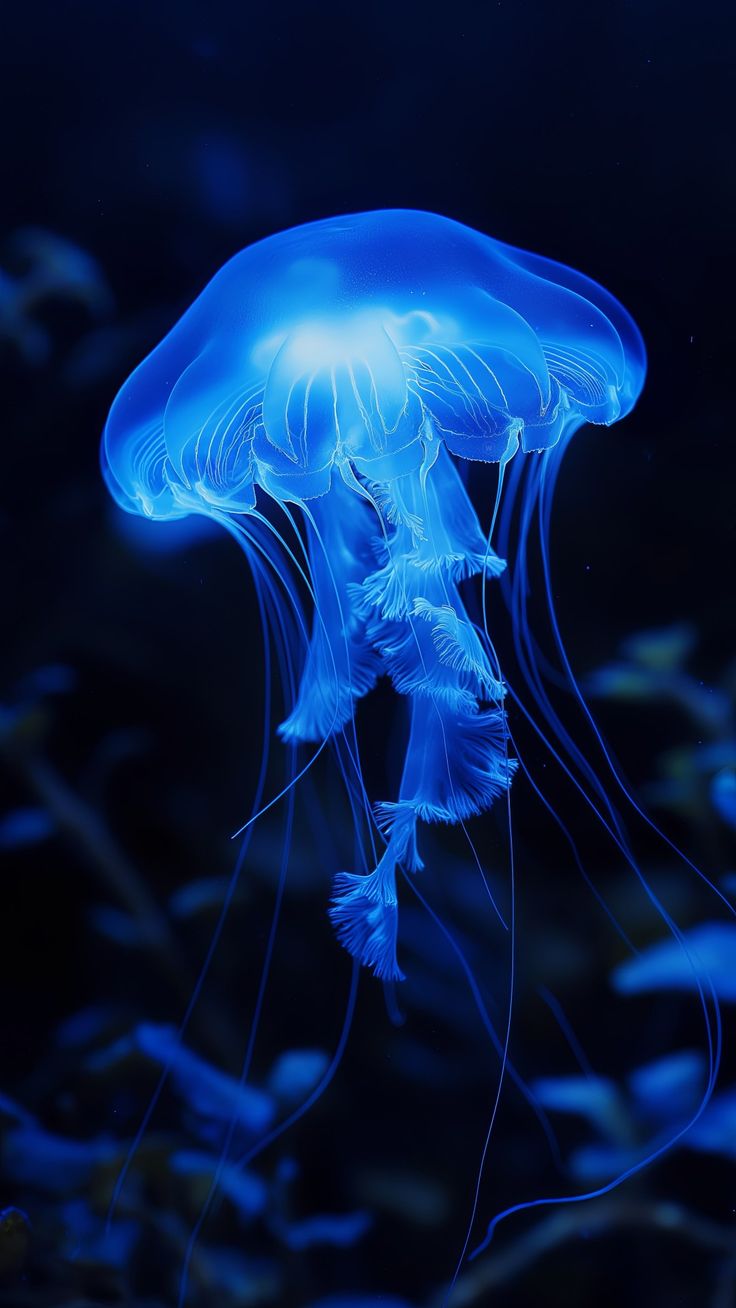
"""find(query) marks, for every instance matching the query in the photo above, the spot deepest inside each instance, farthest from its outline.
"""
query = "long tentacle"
(222, 915)
(517, 588)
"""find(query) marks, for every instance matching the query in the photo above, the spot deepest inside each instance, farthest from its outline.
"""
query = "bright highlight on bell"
(347, 369)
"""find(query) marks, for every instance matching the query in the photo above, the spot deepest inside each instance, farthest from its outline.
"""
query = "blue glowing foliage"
(663, 1095)
(207, 1091)
(295, 1074)
(246, 1191)
(651, 668)
(594, 1098)
(340, 1230)
(337, 1230)
(667, 1089)
(25, 826)
(88, 1238)
(707, 959)
(715, 1130)
(53, 1164)
(215, 1100)
(723, 794)
(342, 367)
(670, 1088)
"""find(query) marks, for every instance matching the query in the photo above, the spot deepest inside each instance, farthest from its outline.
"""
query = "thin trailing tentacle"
(284, 648)
(254, 1028)
(528, 496)
(260, 584)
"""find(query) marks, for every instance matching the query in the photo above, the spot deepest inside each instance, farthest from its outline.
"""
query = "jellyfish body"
(348, 371)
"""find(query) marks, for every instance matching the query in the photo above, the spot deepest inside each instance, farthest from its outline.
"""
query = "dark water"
(157, 140)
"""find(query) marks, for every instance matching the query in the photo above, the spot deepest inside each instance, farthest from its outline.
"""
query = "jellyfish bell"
(336, 340)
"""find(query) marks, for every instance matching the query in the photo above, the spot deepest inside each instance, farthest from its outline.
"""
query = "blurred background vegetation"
(142, 144)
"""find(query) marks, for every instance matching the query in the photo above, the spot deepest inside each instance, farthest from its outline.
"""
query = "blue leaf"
(597, 1163)
(295, 1074)
(87, 1237)
(204, 1088)
(664, 649)
(621, 681)
(715, 1130)
(246, 1191)
(723, 794)
(32, 1156)
(594, 1098)
(671, 1087)
(119, 927)
(666, 965)
(26, 826)
(9, 1108)
(342, 1230)
(198, 896)
(83, 1028)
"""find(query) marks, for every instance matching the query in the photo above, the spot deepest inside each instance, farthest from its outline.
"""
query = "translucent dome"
(339, 341)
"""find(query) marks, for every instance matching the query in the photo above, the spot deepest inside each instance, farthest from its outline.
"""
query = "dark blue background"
(161, 138)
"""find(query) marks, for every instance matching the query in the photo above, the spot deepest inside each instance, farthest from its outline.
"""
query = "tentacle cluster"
(390, 604)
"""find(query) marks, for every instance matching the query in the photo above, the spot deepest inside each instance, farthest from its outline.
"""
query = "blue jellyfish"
(323, 399)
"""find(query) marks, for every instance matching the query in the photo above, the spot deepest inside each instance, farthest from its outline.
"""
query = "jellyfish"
(345, 374)
(330, 400)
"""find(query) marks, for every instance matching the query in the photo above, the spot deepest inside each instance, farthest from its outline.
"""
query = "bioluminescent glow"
(347, 368)
(324, 400)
